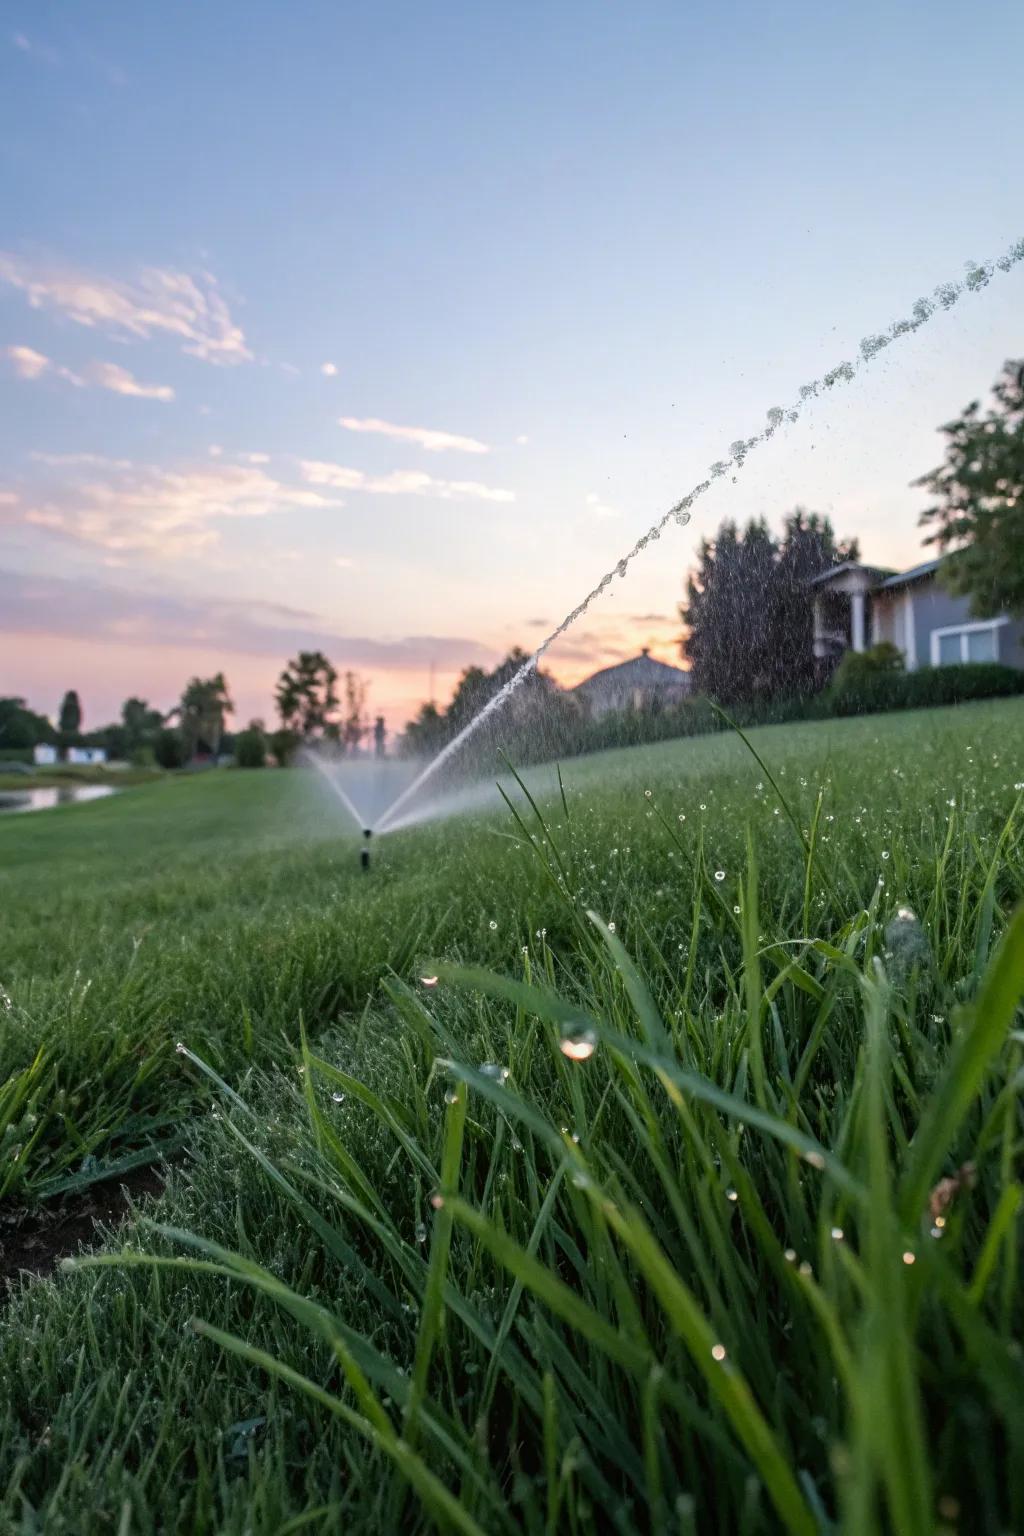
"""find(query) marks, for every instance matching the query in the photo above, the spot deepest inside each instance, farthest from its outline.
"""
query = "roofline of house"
(848, 565)
(916, 573)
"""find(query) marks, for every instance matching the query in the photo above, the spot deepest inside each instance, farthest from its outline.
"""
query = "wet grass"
(690, 1265)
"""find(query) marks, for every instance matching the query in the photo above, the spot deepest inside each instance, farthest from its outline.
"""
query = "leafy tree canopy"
(305, 695)
(978, 512)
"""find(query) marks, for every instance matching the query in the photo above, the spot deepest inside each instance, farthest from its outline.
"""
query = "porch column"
(819, 638)
(857, 617)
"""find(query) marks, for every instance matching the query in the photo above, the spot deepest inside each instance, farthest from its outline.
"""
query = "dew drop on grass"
(492, 925)
(428, 981)
(579, 1046)
(421, 1232)
(815, 1159)
(437, 1201)
(493, 1070)
(719, 875)
(837, 1234)
(909, 1258)
(339, 1098)
(451, 1096)
(731, 1195)
(718, 1352)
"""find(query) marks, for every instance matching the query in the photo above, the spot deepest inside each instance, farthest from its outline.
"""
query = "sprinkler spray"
(364, 857)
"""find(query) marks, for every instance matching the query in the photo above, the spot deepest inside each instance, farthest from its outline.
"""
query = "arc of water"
(977, 276)
(338, 789)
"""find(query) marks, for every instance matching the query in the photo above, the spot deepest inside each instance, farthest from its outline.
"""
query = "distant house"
(84, 757)
(641, 683)
(43, 755)
(857, 606)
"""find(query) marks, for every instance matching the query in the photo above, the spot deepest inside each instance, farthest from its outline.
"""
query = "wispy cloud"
(426, 437)
(128, 509)
(111, 376)
(30, 364)
(161, 302)
(95, 610)
(400, 482)
(37, 50)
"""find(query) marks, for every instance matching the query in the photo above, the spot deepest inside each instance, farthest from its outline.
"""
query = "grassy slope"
(224, 910)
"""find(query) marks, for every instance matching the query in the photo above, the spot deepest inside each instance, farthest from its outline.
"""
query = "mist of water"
(977, 276)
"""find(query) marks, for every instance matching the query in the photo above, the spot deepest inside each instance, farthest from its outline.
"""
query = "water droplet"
(790, 1255)
(909, 1258)
(731, 1194)
(421, 1232)
(718, 1352)
(429, 981)
(437, 1201)
(719, 873)
(815, 1159)
(339, 1098)
(181, 1048)
(837, 1234)
(451, 1096)
(493, 1070)
(579, 1046)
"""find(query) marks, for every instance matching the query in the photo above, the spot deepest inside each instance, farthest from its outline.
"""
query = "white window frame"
(963, 630)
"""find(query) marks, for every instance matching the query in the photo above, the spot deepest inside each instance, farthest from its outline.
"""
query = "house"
(857, 606)
(43, 755)
(86, 756)
(641, 683)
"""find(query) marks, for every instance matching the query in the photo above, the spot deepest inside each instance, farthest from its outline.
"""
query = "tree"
(169, 749)
(141, 723)
(251, 746)
(204, 706)
(21, 728)
(305, 694)
(379, 737)
(534, 697)
(749, 617)
(979, 509)
(353, 725)
(70, 718)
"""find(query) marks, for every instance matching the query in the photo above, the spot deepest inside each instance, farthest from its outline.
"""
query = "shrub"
(169, 749)
(932, 686)
(284, 744)
(251, 748)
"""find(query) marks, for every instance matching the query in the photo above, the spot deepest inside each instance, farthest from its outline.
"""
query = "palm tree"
(205, 703)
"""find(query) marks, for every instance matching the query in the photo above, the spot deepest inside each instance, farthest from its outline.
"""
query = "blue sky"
(585, 246)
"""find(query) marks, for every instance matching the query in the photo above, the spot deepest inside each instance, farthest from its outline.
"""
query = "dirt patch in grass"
(33, 1240)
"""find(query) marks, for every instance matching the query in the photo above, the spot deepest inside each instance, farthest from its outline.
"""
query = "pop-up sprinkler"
(364, 857)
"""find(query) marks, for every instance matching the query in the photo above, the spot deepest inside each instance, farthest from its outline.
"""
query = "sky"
(387, 330)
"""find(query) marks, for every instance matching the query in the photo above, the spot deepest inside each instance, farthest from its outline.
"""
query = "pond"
(44, 799)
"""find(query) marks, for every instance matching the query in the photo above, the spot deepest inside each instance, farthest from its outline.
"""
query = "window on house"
(981, 645)
(951, 647)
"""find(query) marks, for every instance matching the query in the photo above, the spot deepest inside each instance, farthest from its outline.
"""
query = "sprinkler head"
(364, 857)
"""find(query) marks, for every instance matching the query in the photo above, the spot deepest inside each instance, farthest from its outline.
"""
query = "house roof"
(874, 571)
(916, 573)
(641, 671)
(881, 579)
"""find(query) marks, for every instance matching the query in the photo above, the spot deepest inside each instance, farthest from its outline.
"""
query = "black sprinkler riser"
(364, 857)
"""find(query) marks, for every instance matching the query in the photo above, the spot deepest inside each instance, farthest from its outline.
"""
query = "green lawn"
(674, 1272)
